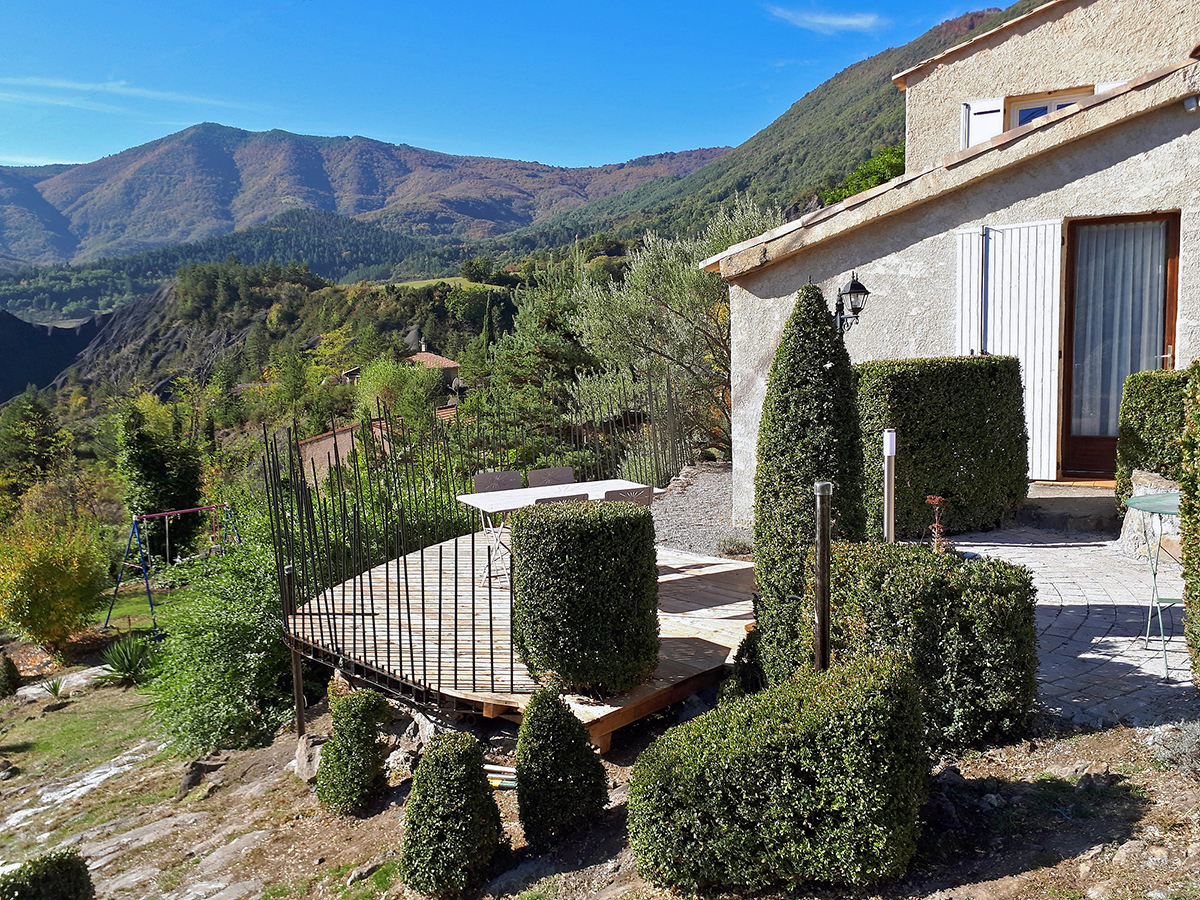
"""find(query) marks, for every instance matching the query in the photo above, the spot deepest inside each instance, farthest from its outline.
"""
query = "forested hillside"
(333, 246)
(209, 180)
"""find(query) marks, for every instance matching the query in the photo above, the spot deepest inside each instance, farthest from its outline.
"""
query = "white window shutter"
(982, 120)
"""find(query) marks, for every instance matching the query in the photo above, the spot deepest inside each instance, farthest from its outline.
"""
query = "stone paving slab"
(1095, 668)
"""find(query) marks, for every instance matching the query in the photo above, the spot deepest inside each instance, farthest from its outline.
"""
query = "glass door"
(1120, 320)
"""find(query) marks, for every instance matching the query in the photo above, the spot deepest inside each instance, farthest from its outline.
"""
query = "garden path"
(1091, 616)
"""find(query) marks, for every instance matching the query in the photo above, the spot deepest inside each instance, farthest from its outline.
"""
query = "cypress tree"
(809, 432)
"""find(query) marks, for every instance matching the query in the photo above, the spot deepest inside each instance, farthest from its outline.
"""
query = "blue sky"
(564, 83)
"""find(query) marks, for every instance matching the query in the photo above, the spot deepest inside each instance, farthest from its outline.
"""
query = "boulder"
(308, 756)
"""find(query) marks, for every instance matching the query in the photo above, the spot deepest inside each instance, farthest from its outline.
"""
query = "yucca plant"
(131, 660)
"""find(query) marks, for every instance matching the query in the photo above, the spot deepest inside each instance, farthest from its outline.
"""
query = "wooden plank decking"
(434, 620)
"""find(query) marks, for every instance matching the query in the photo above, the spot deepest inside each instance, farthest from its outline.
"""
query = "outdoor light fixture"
(856, 295)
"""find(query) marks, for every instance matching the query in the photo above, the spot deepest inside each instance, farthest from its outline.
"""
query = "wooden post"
(289, 608)
(824, 491)
(889, 485)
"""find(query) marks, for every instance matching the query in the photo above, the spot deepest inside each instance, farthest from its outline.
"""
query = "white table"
(494, 504)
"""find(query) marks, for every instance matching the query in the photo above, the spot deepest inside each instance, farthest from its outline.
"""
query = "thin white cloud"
(119, 88)
(24, 98)
(829, 23)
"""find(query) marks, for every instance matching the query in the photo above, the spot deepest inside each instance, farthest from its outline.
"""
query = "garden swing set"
(223, 528)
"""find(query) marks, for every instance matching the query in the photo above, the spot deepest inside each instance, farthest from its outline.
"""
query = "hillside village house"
(1050, 210)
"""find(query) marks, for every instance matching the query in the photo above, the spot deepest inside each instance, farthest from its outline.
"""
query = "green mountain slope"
(810, 147)
(209, 180)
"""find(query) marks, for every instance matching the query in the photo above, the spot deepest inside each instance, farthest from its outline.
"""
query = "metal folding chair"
(640, 495)
(493, 528)
(570, 498)
(553, 475)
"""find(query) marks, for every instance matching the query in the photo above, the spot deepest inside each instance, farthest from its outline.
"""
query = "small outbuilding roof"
(956, 171)
(433, 361)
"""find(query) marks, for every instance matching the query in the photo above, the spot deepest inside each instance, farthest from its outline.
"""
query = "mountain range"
(209, 180)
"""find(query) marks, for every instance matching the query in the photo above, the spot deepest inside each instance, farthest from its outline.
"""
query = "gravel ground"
(695, 512)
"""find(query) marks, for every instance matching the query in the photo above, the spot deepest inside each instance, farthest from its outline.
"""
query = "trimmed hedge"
(57, 875)
(809, 432)
(352, 759)
(10, 678)
(1189, 521)
(969, 627)
(961, 435)
(818, 779)
(451, 823)
(1150, 427)
(561, 783)
(585, 605)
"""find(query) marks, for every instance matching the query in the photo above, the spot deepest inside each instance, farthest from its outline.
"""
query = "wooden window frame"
(1067, 465)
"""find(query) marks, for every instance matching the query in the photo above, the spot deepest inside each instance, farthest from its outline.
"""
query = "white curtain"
(1120, 305)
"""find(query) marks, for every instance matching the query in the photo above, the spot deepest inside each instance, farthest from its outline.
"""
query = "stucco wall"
(1085, 42)
(909, 261)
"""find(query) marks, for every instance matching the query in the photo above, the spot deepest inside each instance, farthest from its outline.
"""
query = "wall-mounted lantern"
(856, 296)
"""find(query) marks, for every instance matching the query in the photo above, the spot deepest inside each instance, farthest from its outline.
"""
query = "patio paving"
(1091, 616)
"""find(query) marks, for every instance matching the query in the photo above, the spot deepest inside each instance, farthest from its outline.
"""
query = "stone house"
(1050, 210)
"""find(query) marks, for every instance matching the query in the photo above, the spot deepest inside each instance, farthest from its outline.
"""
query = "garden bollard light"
(889, 485)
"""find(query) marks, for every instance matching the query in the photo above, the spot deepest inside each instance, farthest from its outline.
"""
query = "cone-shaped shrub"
(586, 593)
(819, 779)
(352, 759)
(809, 432)
(10, 678)
(452, 823)
(560, 780)
(58, 875)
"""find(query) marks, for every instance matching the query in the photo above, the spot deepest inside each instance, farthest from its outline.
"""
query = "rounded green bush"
(452, 823)
(57, 875)
(10, 678)
(586, 593)
(561, 782)
(1150, 426)
(819, 779)
(352, 759)
(969, 627)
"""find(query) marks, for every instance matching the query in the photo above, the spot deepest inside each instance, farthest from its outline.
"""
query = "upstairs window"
(982, 120)
(1023, 110)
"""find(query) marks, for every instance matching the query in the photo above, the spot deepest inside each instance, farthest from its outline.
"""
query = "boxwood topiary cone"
(57, 875)
(10, 678)
(352, 759)
(452, 823)
(561, 783)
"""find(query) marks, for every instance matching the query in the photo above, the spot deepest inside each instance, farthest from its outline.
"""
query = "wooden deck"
(434, 620)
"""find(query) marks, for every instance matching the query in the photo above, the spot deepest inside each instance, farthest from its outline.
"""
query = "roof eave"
(959, 170)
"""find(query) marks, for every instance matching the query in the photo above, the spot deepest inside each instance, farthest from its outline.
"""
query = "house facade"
(1050, 210)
